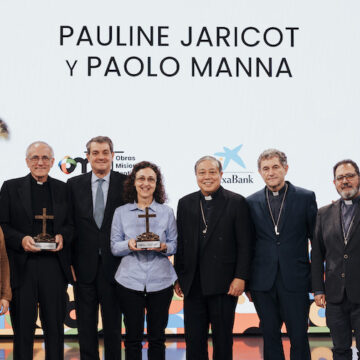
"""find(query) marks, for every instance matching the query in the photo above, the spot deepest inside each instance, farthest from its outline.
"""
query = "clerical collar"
(211, 196)
(277, 193)
(34, 181)
(351, 201)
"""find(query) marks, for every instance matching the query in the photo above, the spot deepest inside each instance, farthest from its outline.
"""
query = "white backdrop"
(172, 121)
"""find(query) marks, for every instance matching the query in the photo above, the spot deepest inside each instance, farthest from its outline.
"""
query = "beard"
(348, 194)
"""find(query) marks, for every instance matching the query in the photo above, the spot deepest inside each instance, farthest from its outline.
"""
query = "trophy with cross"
(44, 241)
(147, 240)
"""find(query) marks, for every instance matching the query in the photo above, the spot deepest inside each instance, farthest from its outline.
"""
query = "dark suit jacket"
(342, 262)
(16, 219)
(88, 237)
(226, 252)
(287, 251)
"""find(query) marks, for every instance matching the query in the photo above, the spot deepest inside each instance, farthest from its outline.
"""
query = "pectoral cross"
(147, 216)
(44, 217)
(276, 230)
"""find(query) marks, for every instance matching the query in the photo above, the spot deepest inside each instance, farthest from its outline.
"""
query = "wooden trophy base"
(45, 242)
(148, 240)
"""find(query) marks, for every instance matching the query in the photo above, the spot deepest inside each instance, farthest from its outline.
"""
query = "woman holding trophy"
(144, 233)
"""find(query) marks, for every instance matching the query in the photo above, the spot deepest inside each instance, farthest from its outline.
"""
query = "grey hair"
(39, 143)
(269, 154)
(210, 158)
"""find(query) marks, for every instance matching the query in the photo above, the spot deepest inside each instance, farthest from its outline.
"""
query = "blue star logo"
(229, 155)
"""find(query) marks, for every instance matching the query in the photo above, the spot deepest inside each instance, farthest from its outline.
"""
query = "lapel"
(194, 217)
(288, 206)
(24, 191)
(110, 197)
(354, 225)
(85, 196)
(336, 220)
(55, 200)
(218, 210)
(265, 210)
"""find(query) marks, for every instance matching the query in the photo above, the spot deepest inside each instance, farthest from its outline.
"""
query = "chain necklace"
(346, 236)
(281, 207)
(203, 217)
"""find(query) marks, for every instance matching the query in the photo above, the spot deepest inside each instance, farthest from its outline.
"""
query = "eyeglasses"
(207, 173)
(142, 179)
(44, 159)
(346, 176)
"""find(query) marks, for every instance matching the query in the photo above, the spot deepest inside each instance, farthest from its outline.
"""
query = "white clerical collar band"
(279, 192)
(209, 197)
(348, 202)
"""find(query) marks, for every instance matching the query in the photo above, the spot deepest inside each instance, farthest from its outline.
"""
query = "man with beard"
(337, 242)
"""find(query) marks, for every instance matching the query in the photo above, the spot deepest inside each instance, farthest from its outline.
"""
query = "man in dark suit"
(212, 261)
(93, 198)
(38, 277)
(337, 242)
(284, 218)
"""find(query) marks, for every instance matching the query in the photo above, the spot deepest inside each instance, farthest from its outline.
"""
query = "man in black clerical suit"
(337, 242)
(284, 218)
(38, 277)
(212, 260)
(93, 199)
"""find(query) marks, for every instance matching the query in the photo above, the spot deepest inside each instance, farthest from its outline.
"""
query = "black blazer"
(342, 262)
(88, 237)
(289, 250)
(226, 252)
(16, 219)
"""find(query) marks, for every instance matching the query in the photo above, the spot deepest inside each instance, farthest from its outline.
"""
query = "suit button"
(342, 275)
(278, 243)
(346, 256)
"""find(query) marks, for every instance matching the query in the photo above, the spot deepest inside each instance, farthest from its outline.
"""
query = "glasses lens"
(36, 158)
(346, 176)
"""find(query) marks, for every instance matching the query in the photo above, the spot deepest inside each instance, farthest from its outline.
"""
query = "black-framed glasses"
(346, 176)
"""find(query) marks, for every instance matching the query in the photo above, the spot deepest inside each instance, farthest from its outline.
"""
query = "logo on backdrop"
(234, 164)
(122, 163)
(67, 165)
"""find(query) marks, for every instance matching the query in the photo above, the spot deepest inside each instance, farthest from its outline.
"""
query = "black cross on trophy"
(147, 240)
(45, 241)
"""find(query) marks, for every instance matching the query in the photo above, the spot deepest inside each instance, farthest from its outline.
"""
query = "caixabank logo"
(122, 162)
(234, 168)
